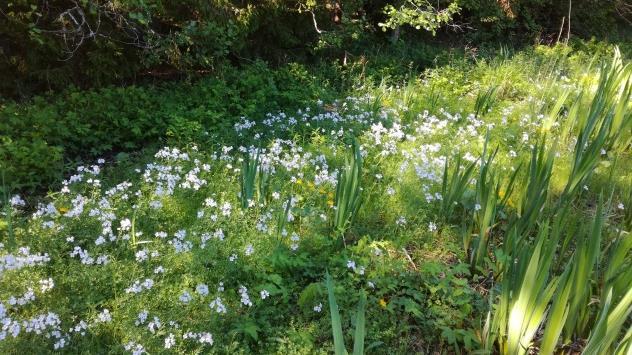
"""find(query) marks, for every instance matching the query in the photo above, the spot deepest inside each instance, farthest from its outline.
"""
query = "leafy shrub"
(539, 19)
(44, 133)
(129, 41)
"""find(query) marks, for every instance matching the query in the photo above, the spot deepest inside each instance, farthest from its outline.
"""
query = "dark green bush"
(540, 20)
(131, 41)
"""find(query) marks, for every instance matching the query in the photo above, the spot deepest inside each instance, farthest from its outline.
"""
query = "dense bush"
(47, 45)
(47, 131)
(541, 20)
(50, 44)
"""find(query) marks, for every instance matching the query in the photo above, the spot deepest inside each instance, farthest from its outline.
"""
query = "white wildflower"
(202, 289)
(170, 341)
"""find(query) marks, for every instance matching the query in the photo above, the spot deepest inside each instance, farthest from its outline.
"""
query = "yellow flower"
(501, 194)
(382, 303)
(330, 203)
(299, 182)
(63, 210)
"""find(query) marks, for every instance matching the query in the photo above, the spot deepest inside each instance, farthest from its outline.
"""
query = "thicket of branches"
(49, 44)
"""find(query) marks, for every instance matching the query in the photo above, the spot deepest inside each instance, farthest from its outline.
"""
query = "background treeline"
(51, 44)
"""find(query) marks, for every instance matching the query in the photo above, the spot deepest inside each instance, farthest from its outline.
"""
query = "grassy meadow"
(481, 206)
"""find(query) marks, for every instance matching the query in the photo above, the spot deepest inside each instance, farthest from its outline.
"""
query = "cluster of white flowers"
(192, 180)
(201, 289)
(45, 210)
(134, 348)
(48, 324)
(244, 124)
(294, 238)
(142, 317)
(80, 328)
(217, 305)
(125, 225)
(226, 209)
(264, 218)
(185, 297)
(46, 284)
(202, 338)
(139, 286)
(23, 259)
(154, 325)
(170, 341)
(104, 316)
(180, 244)
(27, 297)
(245, 299)
(86, 259)
(78, 204)
(357, 269)
(17, 201)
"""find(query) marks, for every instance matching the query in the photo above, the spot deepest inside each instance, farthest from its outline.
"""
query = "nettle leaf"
(412, 307)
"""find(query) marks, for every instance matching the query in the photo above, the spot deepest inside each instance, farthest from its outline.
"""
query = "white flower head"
(170, 341)
(202, 289)
(126, 224)
(104, 316)
(17, 201)
(185, 297)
